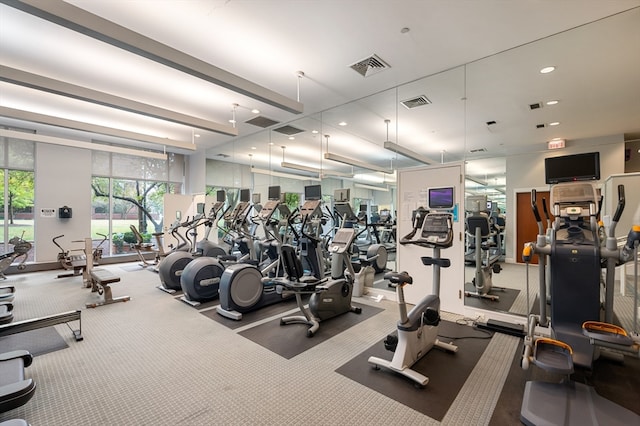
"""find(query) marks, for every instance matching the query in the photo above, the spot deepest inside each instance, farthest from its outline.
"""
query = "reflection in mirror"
(512, 115)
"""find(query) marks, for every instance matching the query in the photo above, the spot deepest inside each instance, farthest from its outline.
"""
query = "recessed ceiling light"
(253, 147)
(232, 121)
(315, 132)
(547, 70)
(291, 138)
(342, 123)
(197, 135)
(552, 102)
(255, 111)
(554, 123)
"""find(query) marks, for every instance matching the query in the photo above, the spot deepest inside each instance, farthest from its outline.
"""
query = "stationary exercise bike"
(20, 248)
(418, 329)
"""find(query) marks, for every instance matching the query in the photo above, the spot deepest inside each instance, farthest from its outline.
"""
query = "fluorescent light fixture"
(355, 163)
(375, 188)
(81, 144)
(406, 152)
(474, 180)
(304, 168)
(283, 175)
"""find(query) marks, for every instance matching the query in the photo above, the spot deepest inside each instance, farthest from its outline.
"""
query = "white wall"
(63, 177)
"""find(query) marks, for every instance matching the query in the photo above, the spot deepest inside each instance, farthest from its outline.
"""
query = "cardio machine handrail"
(536, 212)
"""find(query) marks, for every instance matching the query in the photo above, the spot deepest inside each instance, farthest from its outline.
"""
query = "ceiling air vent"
(288, 130)
(415, 102)
(369, 66)
(537, 105)
(261, 121)
(478, 150)
(221, 155)
(540, 126)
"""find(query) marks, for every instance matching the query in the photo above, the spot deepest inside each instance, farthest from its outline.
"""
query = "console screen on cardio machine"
(436, 228)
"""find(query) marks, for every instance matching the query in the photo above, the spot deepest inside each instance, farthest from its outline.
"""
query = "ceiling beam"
(77, 19)
(50, 120)
(38, 82)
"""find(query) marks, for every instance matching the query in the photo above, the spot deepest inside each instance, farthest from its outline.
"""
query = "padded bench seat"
(15, 390)
(100, 280)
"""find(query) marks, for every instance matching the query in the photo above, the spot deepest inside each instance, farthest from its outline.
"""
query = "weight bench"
(100, 280)
(15, 390)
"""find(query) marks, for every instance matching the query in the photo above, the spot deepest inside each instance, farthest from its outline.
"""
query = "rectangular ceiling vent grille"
(261, 121)
(535, 106)
(221, 155)
(369, 66)
(415, 102)
(478, 150)
(288, 130)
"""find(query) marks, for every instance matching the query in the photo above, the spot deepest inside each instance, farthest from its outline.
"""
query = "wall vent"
(288, 130)
(369, 66)
(415, 102)
(261, 121)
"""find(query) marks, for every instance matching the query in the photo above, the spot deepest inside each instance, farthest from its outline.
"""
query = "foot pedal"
(391, 343)
(553, 356)
(606, 332)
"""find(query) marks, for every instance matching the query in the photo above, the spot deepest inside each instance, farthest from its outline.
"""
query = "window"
(16, 194)
(132, 193)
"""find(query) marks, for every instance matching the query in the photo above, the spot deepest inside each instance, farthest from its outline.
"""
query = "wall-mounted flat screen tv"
(245, 195)
(571, 168)
(313, 192)
(274, 193)
(221, 196)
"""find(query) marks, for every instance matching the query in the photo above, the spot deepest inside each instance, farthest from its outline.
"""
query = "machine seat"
(15, 390)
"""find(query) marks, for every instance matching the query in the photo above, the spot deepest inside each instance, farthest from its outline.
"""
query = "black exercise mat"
(619, 383)
(291, 340)
(250, 317)
(507, 297)
(446, 371)
(38, 342)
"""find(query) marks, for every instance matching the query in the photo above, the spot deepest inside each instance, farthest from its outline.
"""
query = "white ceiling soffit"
(27, 79)
(77, 19)
(50, 120)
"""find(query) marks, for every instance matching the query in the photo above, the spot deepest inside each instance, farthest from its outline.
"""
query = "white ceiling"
(477, 61)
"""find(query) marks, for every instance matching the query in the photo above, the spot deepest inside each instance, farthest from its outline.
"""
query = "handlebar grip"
(621, 204)
(527, 252)
(534, 207)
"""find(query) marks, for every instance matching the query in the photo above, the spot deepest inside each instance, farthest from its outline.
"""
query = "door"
(526, 226)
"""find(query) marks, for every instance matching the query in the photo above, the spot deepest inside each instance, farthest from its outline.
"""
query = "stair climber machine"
(417, 330)
(576, 257)
(171, 267)
(246, 287)
(200, 281)
(20, 248)
(329, 298)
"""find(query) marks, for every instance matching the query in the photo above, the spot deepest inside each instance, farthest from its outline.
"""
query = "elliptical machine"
(328, 298)
(171, 267)
(20, 248)
(246, 287)
(418, 329)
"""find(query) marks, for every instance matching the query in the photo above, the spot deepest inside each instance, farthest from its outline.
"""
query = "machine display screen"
(221, 197)
(313, 192)
(441, 198)
(245, 195)
(274, 192)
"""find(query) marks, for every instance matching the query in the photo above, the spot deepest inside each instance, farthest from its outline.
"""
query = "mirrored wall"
(490, 113)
